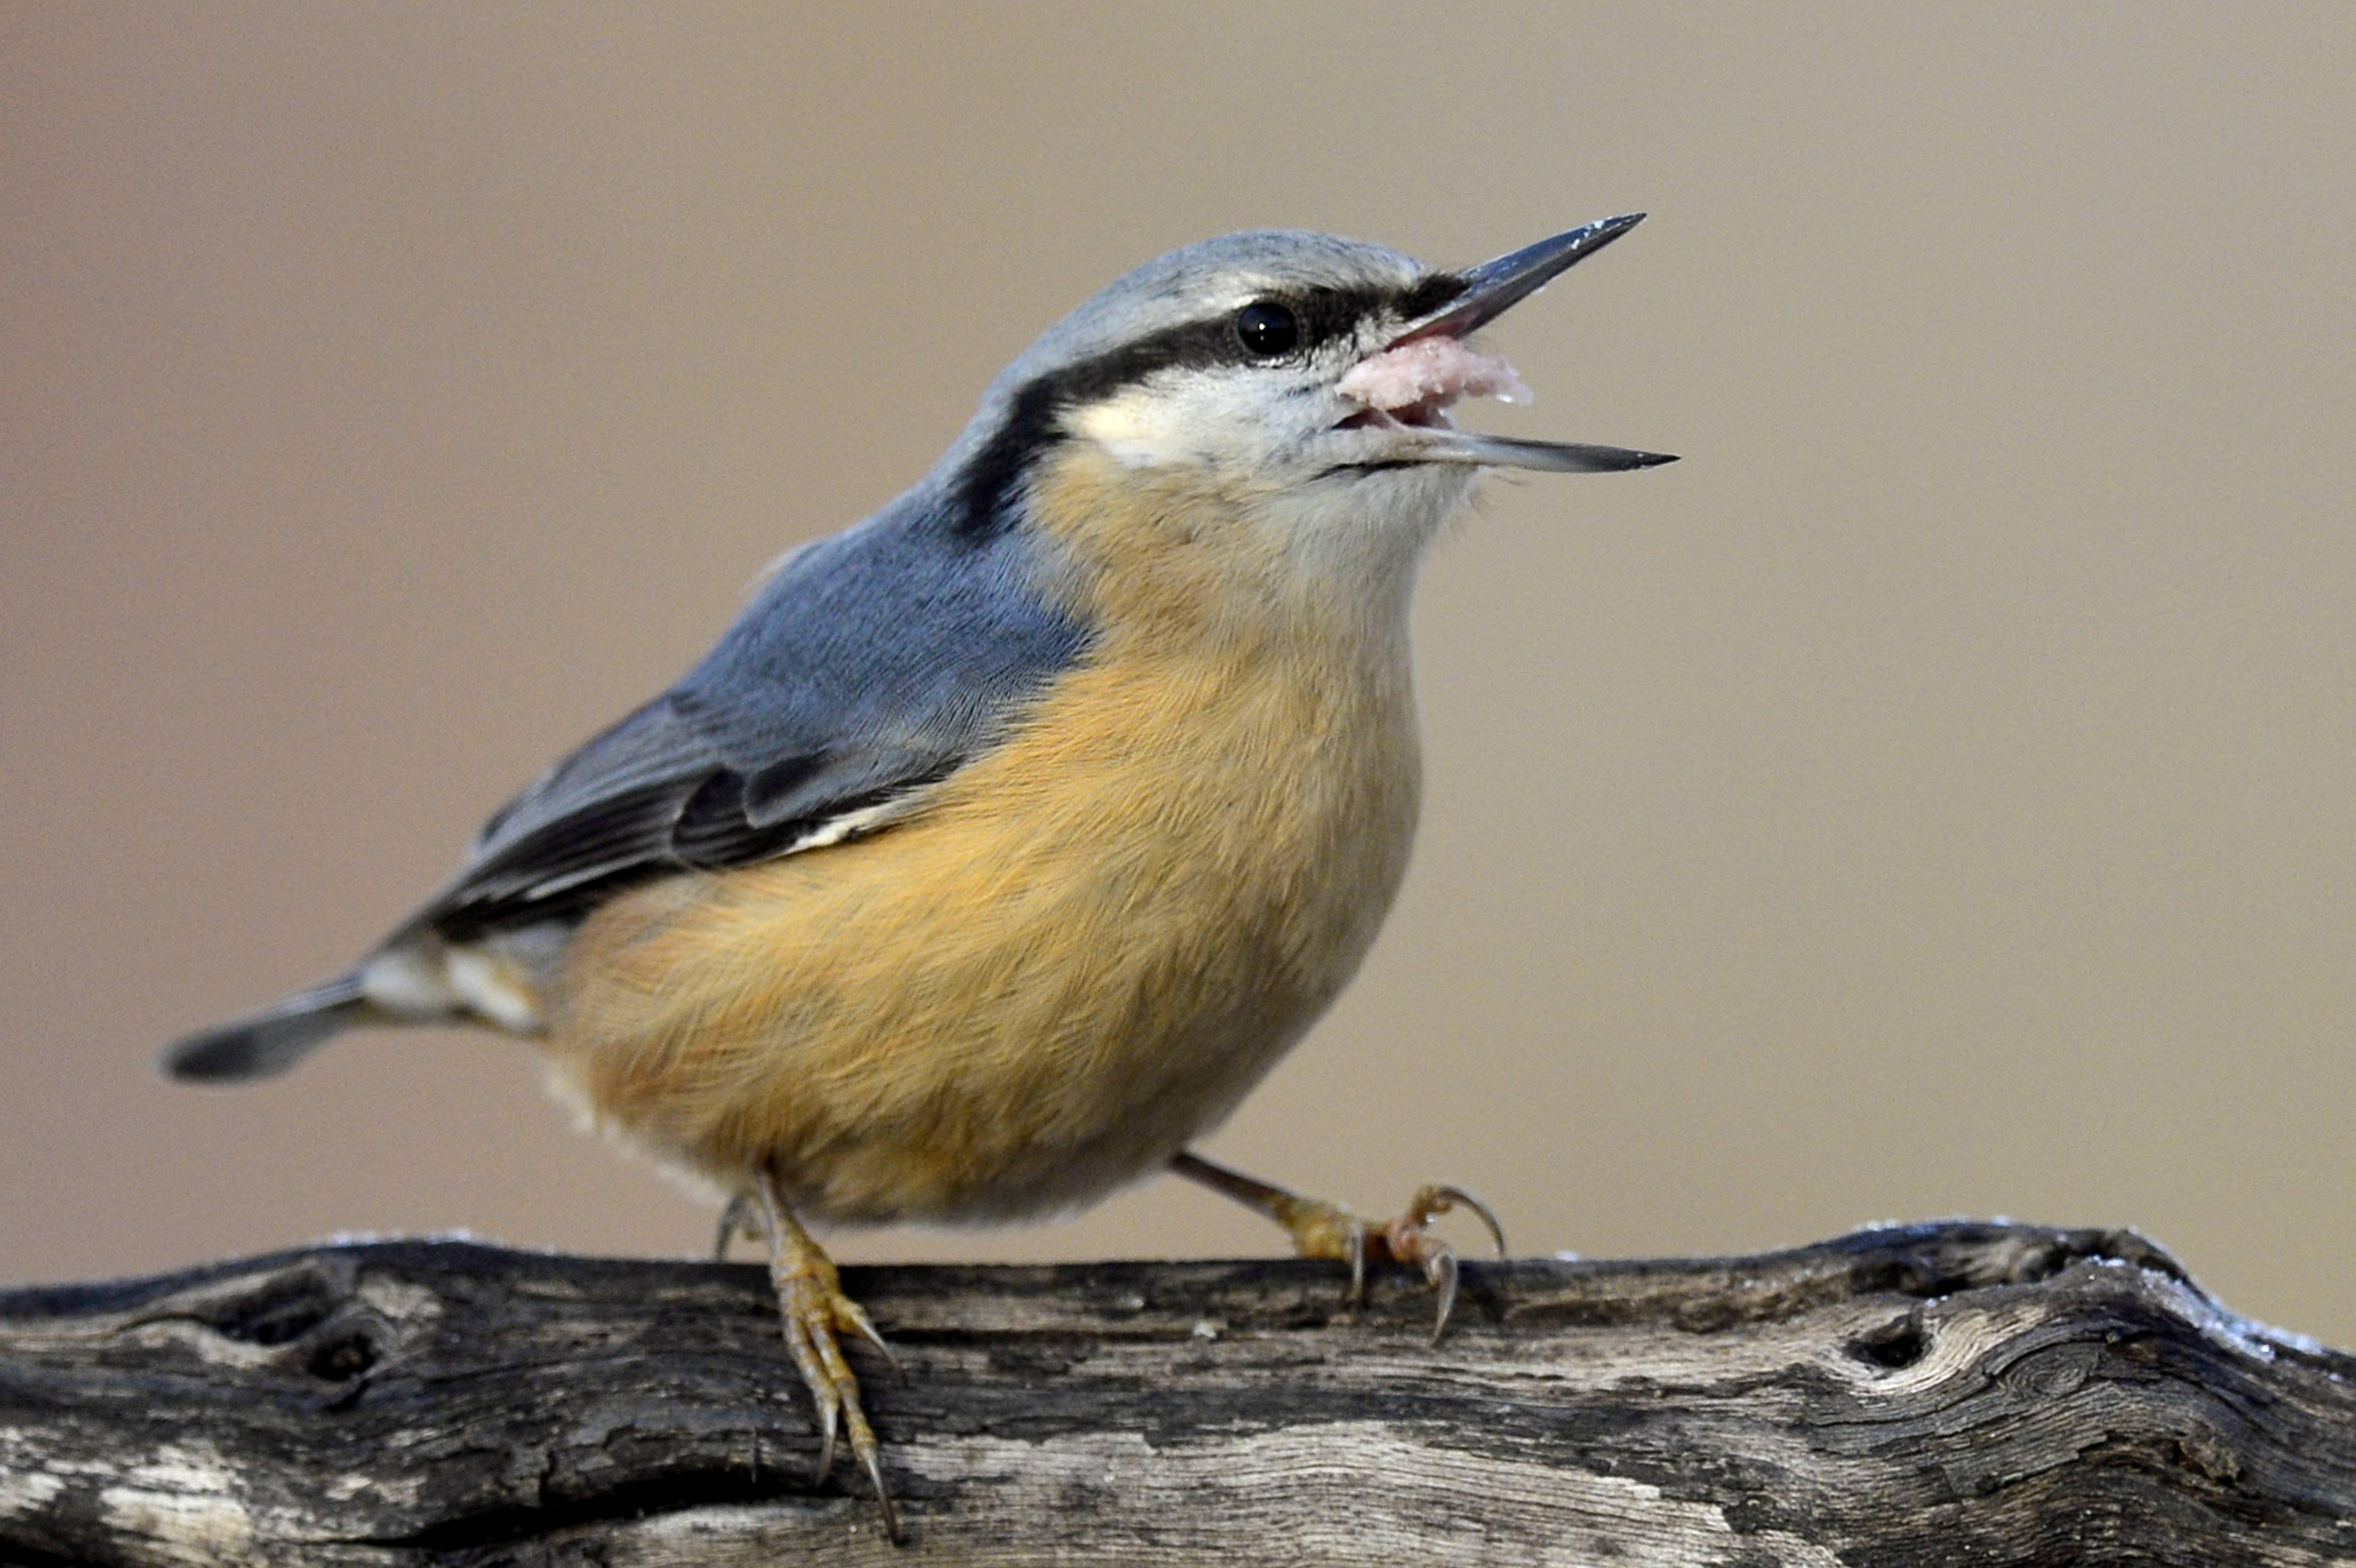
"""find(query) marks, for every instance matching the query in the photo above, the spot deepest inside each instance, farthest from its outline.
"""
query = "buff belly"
(1077, 954)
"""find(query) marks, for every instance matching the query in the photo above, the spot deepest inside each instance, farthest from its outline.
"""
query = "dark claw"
(1441, 1270)
(829, 1420)
(874, 1463)
(1456, 1196)
(875, 1336)
(890, 1358)
(1358, 1263)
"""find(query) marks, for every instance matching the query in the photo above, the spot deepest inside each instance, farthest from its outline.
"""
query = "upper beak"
(1490, 290)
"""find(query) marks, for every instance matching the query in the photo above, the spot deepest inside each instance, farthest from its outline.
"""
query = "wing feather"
(873, 665)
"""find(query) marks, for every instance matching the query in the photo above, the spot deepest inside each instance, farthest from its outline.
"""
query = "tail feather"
(268, 1041)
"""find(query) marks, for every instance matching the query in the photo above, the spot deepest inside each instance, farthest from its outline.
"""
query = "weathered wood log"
(1933, 1394)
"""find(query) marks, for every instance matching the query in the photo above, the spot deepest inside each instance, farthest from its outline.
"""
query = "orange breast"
(1078, 951)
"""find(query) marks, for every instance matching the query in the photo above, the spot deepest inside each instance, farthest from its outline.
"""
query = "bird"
(1007, 838)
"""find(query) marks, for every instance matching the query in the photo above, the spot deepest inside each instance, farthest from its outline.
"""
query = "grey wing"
(872, 664)
(652, 795)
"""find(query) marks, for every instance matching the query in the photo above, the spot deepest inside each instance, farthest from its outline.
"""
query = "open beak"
(1490, 290)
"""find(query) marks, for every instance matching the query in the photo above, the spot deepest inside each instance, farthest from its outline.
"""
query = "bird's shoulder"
(866, 666)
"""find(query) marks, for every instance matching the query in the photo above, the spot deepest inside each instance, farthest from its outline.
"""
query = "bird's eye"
(1267, 329)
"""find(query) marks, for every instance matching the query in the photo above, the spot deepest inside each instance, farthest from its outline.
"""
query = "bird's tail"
(273, 1039)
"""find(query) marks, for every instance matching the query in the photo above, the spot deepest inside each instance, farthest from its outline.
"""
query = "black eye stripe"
(1328, 313)
(1033, 420)
(1435, 290)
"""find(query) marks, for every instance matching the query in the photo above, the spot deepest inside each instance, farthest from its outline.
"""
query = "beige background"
(1931, 797)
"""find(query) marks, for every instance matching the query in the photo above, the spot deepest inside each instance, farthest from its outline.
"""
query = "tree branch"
(1934, 1394)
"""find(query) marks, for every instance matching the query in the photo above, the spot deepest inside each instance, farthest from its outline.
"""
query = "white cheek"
(1227, 424)
(1137, 431)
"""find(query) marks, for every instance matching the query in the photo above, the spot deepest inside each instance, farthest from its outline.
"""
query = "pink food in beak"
(1422, 376)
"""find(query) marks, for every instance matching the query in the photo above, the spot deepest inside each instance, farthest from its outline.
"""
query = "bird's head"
(1306, 378)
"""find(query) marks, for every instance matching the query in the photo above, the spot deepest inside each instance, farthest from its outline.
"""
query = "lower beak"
(1504, 452)
(1490, 290)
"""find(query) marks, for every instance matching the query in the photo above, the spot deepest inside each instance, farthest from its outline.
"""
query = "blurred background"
(1929, 798)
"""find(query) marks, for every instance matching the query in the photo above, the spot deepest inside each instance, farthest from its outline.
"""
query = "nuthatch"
(1006, 839)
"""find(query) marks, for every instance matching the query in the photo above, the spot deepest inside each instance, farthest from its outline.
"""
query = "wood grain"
(1933, 1394)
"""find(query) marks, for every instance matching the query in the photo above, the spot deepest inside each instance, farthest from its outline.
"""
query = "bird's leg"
(735, 1220)
(816, 1313)
(1322, 1230)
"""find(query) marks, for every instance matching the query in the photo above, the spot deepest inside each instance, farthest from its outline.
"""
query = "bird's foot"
(1323, 1229)
(817, 1314)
